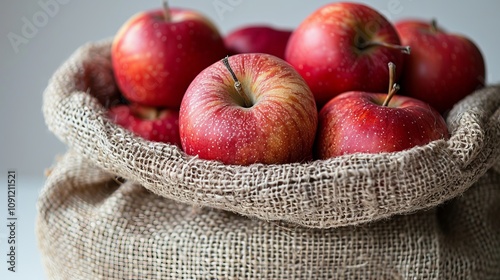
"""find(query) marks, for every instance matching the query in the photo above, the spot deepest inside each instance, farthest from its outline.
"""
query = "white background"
(28, 147)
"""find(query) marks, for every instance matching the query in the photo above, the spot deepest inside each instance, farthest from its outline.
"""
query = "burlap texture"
(91, 227)
(347, 190)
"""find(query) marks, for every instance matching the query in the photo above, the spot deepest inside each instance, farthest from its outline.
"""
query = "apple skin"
(356, 122)
(157, 125)
(279, 126)
(443, 68)
(258, 39)
(155, 59)
(326, 50)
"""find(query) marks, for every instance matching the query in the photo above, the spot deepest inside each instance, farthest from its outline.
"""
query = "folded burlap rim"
(347, 190)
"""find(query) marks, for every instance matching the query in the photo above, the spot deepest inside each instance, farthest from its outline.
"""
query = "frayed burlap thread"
(347, 190)
(90, 226)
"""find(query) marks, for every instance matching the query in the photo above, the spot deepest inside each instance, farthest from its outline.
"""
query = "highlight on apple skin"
(365, 122)
(153, 124)
(344, 47)
(443, 67)
(156, 54)
(254, 108)
(356, 122)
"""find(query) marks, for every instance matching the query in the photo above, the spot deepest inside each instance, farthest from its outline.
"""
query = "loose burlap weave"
(92, 227)
(347, 190)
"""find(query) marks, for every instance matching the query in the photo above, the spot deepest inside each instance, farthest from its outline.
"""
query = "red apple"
(249, 108)
(158, 125)
(258, 39)
(156, 54)
(443, 67)
(363, 122)
(343, 47)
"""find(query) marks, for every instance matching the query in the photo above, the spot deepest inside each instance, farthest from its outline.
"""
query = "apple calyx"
(247, 103)
(369, 44)
(166, 11)
(393, 87)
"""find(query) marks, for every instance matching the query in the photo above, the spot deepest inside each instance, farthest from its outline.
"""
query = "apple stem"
(434, 25)
(392, 74)
(403, 49)
(237, 84)
(166, 11)
(393, 87)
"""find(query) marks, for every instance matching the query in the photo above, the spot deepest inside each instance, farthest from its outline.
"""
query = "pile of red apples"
(345, 80)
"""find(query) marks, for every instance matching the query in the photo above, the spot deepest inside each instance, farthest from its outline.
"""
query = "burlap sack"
(347, 190)
(92, 227)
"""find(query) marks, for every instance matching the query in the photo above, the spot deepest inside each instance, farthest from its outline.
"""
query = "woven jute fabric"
(347, 190)
(90, 226)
